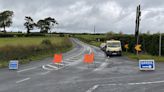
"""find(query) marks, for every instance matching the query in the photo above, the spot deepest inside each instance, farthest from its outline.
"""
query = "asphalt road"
(115, 74)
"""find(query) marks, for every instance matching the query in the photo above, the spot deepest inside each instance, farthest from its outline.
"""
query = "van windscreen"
(114, 44)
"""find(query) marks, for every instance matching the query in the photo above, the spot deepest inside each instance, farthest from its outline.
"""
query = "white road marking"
(23, 80)
(153, 82)
(45, 68)
(55, 67)
(90, 50)
(52, 67)
(102, 66)
(26, 69)
(83, 49)
(92, 88)
(137, 83)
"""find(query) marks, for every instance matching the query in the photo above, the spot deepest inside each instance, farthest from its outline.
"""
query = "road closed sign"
(13, 64)
(146, 64)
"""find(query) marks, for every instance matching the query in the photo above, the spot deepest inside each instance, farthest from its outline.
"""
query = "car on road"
(103, 46)
(113, 47)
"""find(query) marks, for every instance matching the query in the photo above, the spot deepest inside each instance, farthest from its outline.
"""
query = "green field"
(26, 41)
(27, 49)
(90, 39)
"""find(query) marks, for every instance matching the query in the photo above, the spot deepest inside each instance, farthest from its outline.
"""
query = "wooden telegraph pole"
(138, 15)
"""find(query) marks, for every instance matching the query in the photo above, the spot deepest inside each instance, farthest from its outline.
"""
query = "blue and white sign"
(13, 64)
(146, 64)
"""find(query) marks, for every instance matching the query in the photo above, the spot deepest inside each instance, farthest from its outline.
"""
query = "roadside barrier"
(58, 58)
(89, 58)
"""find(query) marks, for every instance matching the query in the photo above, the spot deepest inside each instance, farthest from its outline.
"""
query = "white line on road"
(45, 68)
(92, 88)
(26, 69)
(102, 66)
(137, 83)
(153, 82)
(23, 80)
(55, 67)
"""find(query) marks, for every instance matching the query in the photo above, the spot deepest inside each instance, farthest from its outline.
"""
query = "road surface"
(115, 74)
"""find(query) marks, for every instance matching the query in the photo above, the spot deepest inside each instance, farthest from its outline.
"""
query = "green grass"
(90, 39)
(144, 56)
(26, 41)
(27, 49)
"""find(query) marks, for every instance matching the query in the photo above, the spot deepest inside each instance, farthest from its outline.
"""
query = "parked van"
(113, 47)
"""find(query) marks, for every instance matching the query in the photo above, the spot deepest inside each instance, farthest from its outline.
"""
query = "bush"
(150, 43)
(61, 35)
(46, 42)
(6, 35)
(34, 34)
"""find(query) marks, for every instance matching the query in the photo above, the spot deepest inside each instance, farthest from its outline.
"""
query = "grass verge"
(143, 56)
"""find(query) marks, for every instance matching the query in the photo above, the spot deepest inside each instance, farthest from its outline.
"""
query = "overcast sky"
(82, 15)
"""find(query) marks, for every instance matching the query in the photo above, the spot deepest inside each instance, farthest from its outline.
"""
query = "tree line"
(45, 25)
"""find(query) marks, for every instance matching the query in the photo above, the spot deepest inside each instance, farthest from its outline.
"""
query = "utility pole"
(160, 39)
(94, 30)
(138, 15)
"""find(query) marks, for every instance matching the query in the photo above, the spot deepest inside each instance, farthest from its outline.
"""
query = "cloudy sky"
(82, 15)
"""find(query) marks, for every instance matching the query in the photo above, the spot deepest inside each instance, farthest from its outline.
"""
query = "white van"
(113, 47)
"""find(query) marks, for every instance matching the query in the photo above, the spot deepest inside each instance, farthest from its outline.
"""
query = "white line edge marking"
(137, 83)
(43, 66)
(102, 66)
(92, 88)
(26, 69)
(83, 49)
(52, 66)
(23, 80)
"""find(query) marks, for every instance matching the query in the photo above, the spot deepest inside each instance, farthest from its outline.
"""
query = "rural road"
(115, 74)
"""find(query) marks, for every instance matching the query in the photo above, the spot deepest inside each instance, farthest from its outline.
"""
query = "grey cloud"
(82, 15)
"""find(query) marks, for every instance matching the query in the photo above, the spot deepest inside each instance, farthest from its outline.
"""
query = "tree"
(42, 25)
(29, 24)
(6, 19)
(46, 24)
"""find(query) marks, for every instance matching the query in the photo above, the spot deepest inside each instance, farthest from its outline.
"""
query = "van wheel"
(108, 55)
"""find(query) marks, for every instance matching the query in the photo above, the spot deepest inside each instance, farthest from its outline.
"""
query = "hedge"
(150, 43)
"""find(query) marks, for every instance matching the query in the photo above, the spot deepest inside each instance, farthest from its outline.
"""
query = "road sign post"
(160, 42)
(146, 64)
(138, 48)
(13, 64)
(126, 46)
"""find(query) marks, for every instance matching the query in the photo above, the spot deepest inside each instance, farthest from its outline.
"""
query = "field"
(91, 39)
(26, 41)
(27, 49)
